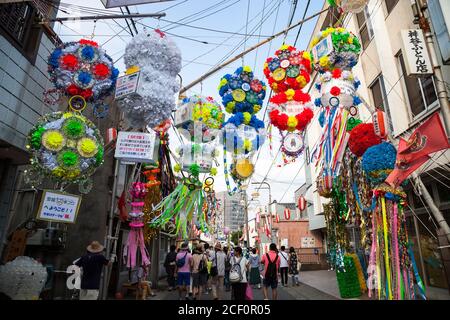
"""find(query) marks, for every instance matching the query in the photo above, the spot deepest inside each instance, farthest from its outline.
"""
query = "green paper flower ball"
(68, 158)
(99, 156)
(36, 137)
(74, 128)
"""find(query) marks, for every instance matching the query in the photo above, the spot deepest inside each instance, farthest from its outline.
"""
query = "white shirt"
(283, 256)
(220, 263)
(243, 263)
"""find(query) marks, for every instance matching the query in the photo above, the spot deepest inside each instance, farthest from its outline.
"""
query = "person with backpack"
(284, 266)
(271, 264)
(226, 278)
(238, 274)
(293, 266)
(169, 264)
(255, 277)
(184, 265)
(199, 271)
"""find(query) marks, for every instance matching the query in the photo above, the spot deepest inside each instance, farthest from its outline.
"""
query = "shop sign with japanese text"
(58, 207)
(415, 53)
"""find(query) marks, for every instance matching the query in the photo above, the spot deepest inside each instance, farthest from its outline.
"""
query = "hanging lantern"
(111, 135)
(287, 214)
(301, 203)
(380, 124)
(353, 6)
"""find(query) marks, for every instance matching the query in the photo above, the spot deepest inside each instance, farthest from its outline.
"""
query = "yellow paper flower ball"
(301, 80)
(290, 94)
(53, 140)
(266, 65)
(72, 174)
(247, 117)
(256, 108)
(87, 147)
(213, 171)
(247, 69)
(247, 145)
(284, 47)
(324, 61)
(350, 40)
(230, 106)
(177, 168)
(292, 122)
(58, 171)
(306, 55)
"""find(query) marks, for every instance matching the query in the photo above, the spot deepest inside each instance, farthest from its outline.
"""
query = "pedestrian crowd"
(214, 270)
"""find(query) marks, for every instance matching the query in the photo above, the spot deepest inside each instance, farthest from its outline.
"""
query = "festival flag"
(428, 138)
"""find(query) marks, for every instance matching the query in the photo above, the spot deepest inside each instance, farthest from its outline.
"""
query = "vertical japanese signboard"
(136, 146)
(415, 53)
(58, 207)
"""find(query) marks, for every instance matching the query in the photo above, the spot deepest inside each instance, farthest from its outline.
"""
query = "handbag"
(248, 292)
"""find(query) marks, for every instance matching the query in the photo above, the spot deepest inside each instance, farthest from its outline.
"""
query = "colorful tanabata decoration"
(243, 133)
(66, 147)
(82, 69)
(199, 118)
(135, 242)
(156, 60)
(392, 267)
(290, 108)
(289, 69)
(335, 48)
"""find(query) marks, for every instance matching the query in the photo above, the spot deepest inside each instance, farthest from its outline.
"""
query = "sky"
(265, 17)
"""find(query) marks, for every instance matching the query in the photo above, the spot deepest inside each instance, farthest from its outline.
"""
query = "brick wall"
(294, 231)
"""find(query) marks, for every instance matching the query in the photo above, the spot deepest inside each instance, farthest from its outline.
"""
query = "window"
(331, 18)
(390, 4)
(365, 27)
(440, 29)
(17, 24)
(421, 92)
(380, 98)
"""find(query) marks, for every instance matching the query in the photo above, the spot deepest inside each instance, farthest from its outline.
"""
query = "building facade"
(231, 209)
(407, 101)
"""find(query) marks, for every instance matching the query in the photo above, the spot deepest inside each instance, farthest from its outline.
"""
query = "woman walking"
(199, 271)
(238, 274)
(293, 261)
(255, 277)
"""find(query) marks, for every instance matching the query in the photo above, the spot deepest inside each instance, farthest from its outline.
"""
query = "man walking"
(271, 263)
(217, 270)
(284, 266)
(184, 265)
(92, 263)
(169, 264)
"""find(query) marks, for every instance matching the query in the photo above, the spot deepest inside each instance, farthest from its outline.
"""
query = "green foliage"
(235, 236)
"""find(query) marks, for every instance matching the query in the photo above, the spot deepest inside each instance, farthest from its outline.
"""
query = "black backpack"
(271, 272)
(182, 261)
(202, 266)
(227, 263)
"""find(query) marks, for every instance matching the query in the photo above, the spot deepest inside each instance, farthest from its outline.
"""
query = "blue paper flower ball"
(378, 162)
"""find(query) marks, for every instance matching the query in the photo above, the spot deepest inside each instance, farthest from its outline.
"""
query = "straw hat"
(95, 247)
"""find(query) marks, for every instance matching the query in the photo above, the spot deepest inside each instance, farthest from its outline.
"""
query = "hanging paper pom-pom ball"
(82, 68)
(378, 161)
(362, 137)
(241, 92)
(158, 60)
(345, 53)
(65, 147)
(289, 69)
(352, 122)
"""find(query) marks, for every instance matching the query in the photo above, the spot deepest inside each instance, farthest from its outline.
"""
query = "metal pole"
(419, 246)
(109, 16)
(109, 236)
(246, 220)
